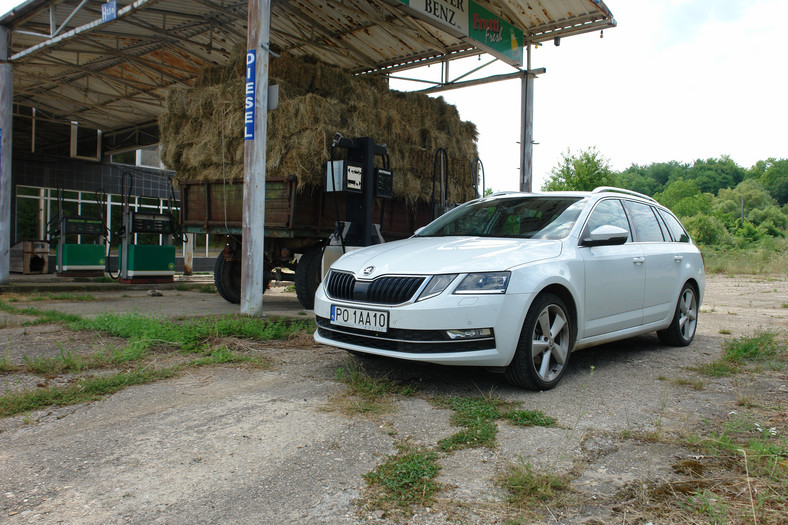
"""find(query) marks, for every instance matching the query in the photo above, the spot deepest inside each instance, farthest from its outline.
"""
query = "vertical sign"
(109, 11)
(251, 59)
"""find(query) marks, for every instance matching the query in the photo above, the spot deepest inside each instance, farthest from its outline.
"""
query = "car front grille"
(399, 340)
(387, 290)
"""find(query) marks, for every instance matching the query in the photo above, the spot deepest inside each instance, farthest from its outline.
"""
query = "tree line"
(719, 202)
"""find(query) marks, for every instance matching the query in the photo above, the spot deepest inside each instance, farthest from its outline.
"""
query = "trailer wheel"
(308, 276)
(227, 277)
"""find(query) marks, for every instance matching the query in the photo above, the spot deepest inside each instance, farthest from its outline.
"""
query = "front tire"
(682, 328)
(544, 347)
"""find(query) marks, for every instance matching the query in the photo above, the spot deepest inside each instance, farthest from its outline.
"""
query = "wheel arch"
(569, 300)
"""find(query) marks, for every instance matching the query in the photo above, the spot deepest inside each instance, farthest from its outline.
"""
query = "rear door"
(662, 262)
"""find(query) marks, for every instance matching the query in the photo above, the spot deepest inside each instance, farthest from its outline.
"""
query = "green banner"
(466, 18)
(495, 33)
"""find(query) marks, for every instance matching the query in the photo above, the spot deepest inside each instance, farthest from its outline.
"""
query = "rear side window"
(677, 231)
(645, 222)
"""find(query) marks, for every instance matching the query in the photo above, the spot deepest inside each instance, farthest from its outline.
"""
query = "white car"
(515, 282)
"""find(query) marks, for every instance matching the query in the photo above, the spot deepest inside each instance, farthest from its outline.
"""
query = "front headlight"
(437, 284)
(487, 283)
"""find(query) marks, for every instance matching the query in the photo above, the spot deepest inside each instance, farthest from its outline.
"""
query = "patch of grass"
(223, 355)
(696, 384)
(529, 489)
(765, 349)
(290, 289)
(65, 362)
(61, 297)
(725, 331)
(87, 389)
(143, 335)
(365, 394)
(405, 479)
(760, 347)
(717, 369)
(207, 288)
(478, 416)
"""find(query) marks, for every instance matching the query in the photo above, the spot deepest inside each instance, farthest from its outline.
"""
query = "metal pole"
(253, 229)
(527, 126)
(6, 112)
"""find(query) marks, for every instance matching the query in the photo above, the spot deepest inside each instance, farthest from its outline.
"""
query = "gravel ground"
(236, 445)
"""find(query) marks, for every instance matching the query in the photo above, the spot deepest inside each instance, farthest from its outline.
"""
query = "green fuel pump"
(144, 263)
(75, 259)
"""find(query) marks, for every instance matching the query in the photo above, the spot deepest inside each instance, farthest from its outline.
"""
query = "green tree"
(775, 179)
(582, 172)
(685, 198)
(711, 175)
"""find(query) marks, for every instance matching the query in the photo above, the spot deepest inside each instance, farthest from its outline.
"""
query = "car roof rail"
(612, 189)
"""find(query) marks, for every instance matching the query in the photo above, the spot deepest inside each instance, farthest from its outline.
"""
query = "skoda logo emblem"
(368, 270)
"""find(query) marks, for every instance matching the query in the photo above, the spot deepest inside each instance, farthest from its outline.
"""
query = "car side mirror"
(606, 235)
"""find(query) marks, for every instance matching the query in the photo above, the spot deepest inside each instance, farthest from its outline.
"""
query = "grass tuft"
(405, 479)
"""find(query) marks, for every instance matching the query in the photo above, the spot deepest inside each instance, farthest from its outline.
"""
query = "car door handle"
(639, 260)
(678, 258)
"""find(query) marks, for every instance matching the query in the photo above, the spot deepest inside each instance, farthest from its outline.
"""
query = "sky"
(675, 80)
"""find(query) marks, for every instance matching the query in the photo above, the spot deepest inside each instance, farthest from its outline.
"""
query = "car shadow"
(444, 380)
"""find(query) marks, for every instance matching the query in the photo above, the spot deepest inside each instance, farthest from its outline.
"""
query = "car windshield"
(522, 217)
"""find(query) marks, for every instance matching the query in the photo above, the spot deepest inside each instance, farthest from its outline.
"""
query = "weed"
(725, 331)
(365, 394)
(405, 479)
(761, 347)
(478, 416)
(528, 489)
(696, 384)
(207, 288)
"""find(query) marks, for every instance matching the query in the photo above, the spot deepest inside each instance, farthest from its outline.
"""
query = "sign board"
(251, 59)
(109, 11)
(466, 18)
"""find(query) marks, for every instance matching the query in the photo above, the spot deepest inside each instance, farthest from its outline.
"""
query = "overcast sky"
(676, 80)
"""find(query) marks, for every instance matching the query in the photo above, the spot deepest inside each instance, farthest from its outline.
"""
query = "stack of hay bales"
(202, 127)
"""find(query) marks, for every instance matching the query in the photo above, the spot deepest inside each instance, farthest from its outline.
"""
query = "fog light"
(473, 333)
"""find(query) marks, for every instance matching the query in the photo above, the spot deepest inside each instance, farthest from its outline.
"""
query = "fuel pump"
(357, 177)
(361, 182)
(144, 263)
(76, 259)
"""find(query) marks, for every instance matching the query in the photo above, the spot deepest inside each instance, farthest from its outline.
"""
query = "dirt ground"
(229, 444)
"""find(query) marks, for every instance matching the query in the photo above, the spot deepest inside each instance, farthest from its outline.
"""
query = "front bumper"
(417, 331)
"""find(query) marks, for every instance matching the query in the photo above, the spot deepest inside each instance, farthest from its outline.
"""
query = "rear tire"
(227, 277)
(682, 328)
(308, 276)
(544, 347)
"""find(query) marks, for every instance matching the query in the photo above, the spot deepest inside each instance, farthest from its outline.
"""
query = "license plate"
(359, 318)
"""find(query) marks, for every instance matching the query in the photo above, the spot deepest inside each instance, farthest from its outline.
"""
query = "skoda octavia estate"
(515, 282)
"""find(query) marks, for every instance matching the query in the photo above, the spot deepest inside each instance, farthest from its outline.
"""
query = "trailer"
(299, 223)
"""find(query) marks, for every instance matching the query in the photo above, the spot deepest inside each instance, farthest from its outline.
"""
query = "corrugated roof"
(114, 75)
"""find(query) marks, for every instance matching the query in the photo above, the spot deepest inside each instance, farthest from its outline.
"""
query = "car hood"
(434, 255)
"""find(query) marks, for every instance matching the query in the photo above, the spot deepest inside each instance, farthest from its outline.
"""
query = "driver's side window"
(607, 212)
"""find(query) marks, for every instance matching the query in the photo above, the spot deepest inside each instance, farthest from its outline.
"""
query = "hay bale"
(202, 127)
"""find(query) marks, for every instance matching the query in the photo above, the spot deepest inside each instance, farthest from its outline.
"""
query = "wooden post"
(255, 133)
(6, 112)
